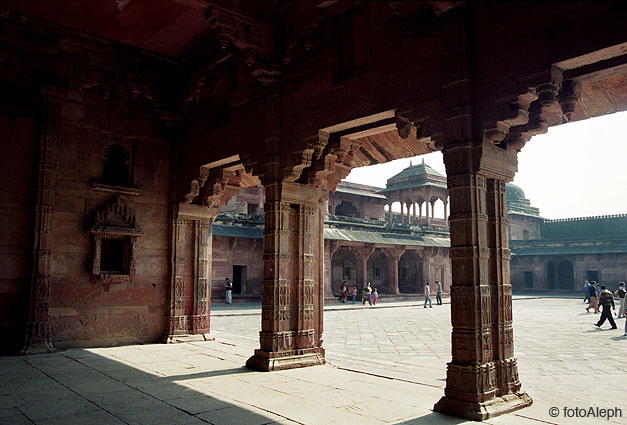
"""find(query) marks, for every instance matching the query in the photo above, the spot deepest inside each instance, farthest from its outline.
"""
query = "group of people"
(367, 294)
(438, 294)
(370, 295)
(597, 295)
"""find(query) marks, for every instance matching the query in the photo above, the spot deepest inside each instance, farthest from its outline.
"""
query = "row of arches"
(389, 273)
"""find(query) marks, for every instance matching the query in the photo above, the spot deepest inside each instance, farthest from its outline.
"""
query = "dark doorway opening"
(593, 275)
(566, 275)
(550, 275)
(240, 275)
(528, 279)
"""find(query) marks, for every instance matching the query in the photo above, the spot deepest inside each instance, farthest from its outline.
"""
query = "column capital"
(482, 158)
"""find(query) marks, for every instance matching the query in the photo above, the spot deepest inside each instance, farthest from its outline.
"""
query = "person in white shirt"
(228, 287)
(427, 296)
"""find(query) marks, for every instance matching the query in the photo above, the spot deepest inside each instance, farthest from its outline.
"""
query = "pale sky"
(574, 170)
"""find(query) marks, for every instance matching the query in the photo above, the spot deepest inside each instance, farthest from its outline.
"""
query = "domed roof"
(415, 176)
(514, 192)
(517, 203)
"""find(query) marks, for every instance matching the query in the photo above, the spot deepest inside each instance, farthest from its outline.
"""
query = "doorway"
(240, 276)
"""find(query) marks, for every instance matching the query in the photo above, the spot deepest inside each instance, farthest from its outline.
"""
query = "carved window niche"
(118, 166)
(115, 232)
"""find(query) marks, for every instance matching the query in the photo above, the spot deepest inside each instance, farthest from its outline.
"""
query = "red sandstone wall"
(610, 266)
(83, 310)
(518, 224)
(228, 252)
(18, 153)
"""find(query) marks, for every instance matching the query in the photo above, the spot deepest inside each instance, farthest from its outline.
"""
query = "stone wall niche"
(115, 232)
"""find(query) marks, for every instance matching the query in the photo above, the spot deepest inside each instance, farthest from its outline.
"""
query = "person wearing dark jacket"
(606, 299)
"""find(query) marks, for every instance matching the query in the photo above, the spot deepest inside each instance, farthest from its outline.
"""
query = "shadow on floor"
(80, 386)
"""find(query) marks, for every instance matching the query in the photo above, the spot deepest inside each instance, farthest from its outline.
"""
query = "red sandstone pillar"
(393, 256)
(427, 211)
(482, 377)
(292, 292)
(38, 335)
(414, 208)
(190, 290)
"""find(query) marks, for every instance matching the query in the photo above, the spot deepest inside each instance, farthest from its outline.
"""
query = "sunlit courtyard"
(386, 365)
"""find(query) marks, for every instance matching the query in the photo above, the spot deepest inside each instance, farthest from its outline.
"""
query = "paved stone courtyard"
(387, 365)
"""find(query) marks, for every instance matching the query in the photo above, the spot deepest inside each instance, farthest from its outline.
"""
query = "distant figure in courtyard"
(343, 292)
(375, 295)
(586, 292)
(620, 293)
(438, 295)
(367, 295)
(354, 293)
(594, 301)
(228, 286)
(606, 299)
(427, 296)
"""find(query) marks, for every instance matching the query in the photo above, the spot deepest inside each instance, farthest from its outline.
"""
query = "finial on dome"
(423, 161)
(410, 164)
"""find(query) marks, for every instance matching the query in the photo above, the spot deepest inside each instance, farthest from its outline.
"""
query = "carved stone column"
(329, 251)
(414, 207)
(190, 274)
(38, 336)
(363, 254)
(292, 303)
(393, 256)
(427, 211)
(482, 378)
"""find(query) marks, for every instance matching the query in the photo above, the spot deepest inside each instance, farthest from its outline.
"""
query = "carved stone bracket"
(235, 30)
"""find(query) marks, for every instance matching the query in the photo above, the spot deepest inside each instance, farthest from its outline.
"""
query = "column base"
(267, 361)
(175, 339)
(484, 410)
(38, 348)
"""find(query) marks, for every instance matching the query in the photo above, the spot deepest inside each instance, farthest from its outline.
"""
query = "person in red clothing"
(375, 295)
(344, 292)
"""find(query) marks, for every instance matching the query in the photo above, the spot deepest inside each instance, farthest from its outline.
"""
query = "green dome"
(517, 203)
(514, 193)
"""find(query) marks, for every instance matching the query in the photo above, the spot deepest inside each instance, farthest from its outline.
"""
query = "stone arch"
(409, 273)
(378, 270)
(347, 209)
(344, 266)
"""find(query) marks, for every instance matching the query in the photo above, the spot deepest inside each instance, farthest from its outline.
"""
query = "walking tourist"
(367, 295)
(586, 292)
(594, 300)
(375, 295)
(427, 296)
(354, 293)
(620, 293)
(343, 292)
(438, 295)
(228, 286)
(606, 299)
